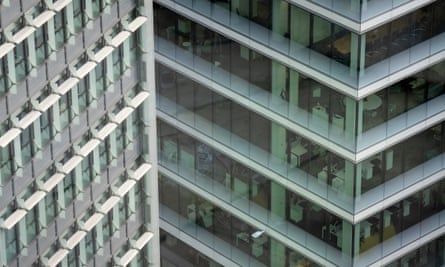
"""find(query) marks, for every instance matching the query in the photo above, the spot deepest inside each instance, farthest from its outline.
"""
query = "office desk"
(244, 237)
(320, 111)
(372, 102)
(343, 44)
(187, 46)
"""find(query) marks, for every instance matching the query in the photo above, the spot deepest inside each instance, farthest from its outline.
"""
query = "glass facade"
(327, 47)
(76, 185)
(193, 214)
(297, 97)
(194, 104)
(256, 196)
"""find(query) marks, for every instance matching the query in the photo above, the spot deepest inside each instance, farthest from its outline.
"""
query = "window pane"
(40, 44)
(59, 29)
(20, 61)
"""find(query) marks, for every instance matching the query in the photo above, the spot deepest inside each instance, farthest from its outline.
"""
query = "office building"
(78, 168)
(301, 132)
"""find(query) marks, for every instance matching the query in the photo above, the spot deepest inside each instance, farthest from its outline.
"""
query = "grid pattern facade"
(302, 133)
(78, 172)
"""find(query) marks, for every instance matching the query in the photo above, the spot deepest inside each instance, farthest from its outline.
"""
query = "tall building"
(78, 164)
(301, 132)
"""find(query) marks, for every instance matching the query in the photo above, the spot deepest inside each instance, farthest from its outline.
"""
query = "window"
(50, 205)
(6, 162)
(3, 79)
(72, 257)
(62, 77)
(26, 144)
(130, 16)
(138, 194)
(51, 250)
(87, 170)
(64, 109)
(117, 63)
(100, 79)
(40, 39)
(59, 29)
(120, 138)
(89, 244)
(4, 127)
(37, 9)
(11, 244)
(117, 28)
(106, 229)
(20, 55)
(31, 224)
(98, 45)
(122, 210)
(17, 26)
(103, 155)
(45, 127)
(67, 156)
(82, 94)
(133, 40)
(136, 122)
(81, 60)
(97, 7)
(68, 188)
(78, 7)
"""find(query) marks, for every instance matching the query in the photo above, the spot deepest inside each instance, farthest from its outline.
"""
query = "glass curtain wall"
(196, 211)
(276, 19)
(181, 97)
(403, 96)
(310, 103)
(218, 174)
